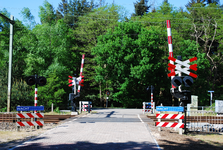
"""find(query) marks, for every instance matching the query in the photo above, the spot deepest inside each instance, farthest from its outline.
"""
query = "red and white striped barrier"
(82, 65)
(170, 45)
(170, 124)
(169, 116)
(147, 110)
(30, 123)
(86, 109)
(86, 106)
(29, 115)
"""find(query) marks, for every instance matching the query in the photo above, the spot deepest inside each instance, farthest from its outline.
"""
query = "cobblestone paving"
(107, 129)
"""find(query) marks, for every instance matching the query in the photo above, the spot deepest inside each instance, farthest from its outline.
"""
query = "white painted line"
(150, 133)
(140, 118)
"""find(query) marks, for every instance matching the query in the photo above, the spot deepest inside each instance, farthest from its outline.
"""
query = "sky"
(14, 7)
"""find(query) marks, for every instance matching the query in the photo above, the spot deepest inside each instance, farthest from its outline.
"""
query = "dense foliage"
(123, 55)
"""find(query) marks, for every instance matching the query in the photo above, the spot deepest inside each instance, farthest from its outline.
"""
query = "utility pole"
(10, 65)
(12, 22)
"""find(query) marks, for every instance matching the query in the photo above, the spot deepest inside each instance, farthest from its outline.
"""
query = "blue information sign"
(169, 108)
(29, 108)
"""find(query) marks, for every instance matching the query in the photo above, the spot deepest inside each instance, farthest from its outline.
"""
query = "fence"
(204, 121)
(8, 121)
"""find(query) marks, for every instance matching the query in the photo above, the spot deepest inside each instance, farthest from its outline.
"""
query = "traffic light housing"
(31, 80)
(184, 96)
(187, 81)
(176, 81)
(41, 81)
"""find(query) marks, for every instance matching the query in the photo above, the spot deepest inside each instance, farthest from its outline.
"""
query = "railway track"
(207, 119)
(47, 118)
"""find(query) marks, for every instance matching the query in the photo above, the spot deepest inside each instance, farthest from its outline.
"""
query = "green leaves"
(129, 56)
(52, 92)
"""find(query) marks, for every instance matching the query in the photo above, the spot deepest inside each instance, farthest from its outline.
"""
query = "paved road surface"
(108, 129)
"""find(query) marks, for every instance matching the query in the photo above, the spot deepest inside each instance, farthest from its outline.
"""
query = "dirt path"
(170, 140)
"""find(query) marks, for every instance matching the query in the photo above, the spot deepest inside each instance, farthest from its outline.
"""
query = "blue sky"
(15, 6)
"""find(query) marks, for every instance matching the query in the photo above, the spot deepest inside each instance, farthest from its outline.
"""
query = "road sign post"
(211, 92)
(107, 93)
(34, 116)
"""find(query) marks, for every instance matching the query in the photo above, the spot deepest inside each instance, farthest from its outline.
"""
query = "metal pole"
(179, 88)
(185, 120)
(152, 107)
(10, 65)
(107, 102)
(36, 90)
(151, 101)
(211, 100)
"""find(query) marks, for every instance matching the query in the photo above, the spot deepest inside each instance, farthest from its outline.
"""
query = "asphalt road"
(108, 129)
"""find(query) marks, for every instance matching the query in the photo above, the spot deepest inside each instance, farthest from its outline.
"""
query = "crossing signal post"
(41, 81)
(74, 81)
(152, 104)
(187, 81)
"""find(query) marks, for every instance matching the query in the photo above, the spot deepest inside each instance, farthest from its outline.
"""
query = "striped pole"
(170, 45)
(35, 101)
(82, 65)
(152, 101)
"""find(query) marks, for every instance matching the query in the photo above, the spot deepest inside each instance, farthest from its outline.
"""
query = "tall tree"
(28, 18)
(141, 7)
(90, 26)
(129, 56)
(47, 13)
(204, 2)
(71, 10)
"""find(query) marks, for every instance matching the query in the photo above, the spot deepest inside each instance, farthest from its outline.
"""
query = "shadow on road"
(109, 115)
(190, 145)
(91, 146)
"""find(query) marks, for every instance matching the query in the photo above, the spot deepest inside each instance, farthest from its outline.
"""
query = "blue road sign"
(210, 91)
(169, 108)
(29, 108)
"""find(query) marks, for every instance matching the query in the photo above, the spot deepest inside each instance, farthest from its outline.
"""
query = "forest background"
(122, 55)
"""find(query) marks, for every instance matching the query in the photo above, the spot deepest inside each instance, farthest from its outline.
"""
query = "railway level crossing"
(107, 129)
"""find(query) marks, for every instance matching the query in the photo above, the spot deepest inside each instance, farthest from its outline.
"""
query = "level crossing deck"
(108, 129)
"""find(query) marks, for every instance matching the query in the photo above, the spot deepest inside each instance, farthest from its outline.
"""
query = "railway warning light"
(176, 81)
(188, 81)
(31, 80)
(41, 81)
(81, 82)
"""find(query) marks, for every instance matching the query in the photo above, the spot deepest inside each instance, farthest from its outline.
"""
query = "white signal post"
(170, 45)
